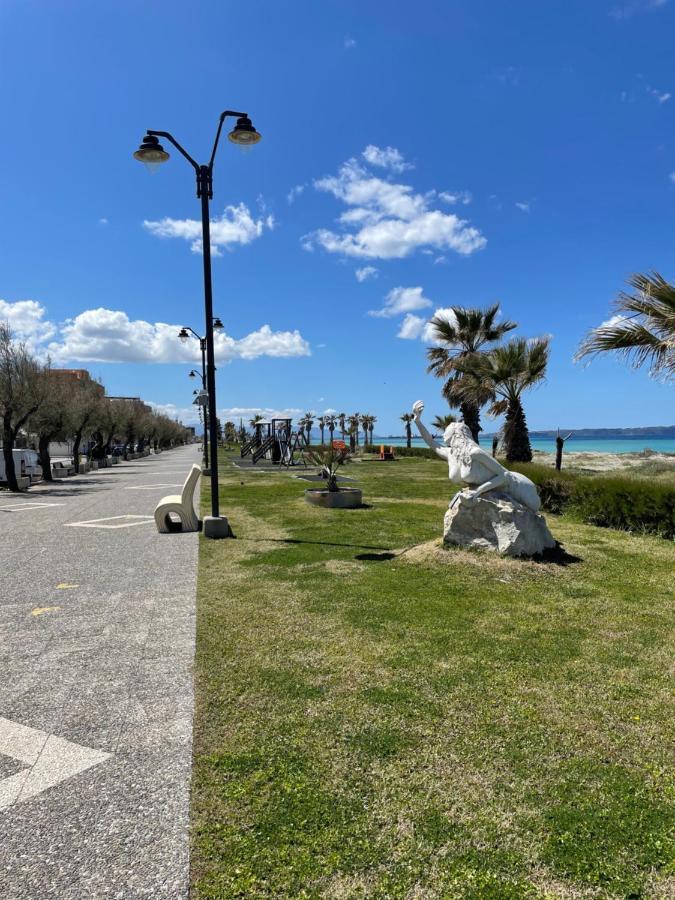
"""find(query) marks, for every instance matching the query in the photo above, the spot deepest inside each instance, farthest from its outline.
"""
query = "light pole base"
(216, 527)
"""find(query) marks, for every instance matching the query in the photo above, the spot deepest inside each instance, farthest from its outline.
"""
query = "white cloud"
(236, 226)
(463, 197)
(523, 206)
(349, 43)
(26, 318)
(294, 193)
(386, 158)
(105, 335)
(234, 413)
(672, 177)
(188, 415)
(365, 273)
(411, 327)
(390, 220)
(634, 7)
(401, 300)
(661, 96)
(613, 320)
(103, 221)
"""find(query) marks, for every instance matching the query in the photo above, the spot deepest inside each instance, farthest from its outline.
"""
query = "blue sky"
(460, 152)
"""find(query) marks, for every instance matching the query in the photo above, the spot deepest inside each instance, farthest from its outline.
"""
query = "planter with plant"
(332, 495)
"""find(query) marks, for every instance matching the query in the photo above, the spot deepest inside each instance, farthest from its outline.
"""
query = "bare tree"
(84, 402)
(50, 421)
(22, 391)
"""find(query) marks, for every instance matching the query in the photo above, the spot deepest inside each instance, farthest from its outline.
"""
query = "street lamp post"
(184, 335)
(153, 154)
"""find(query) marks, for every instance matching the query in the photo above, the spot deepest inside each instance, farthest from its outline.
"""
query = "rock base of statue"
(495, 521)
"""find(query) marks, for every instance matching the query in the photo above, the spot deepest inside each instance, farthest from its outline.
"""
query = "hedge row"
(629, 504)
(422, 452)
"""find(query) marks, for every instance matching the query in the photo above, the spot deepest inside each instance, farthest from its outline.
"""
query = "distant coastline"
(654, 431)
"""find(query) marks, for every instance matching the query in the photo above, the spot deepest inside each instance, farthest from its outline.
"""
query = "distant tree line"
(47, 405)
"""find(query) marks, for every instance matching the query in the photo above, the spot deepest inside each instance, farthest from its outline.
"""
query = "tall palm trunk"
(408, 434)
(516, 437)
(43, 456)
(471, 417)
(322, 440)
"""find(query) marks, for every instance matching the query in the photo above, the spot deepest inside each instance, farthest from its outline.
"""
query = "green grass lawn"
(377, 716)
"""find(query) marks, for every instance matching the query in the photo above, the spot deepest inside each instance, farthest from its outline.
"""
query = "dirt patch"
(506, 568)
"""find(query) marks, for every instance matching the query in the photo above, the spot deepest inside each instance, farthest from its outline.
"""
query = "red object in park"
(339, 445)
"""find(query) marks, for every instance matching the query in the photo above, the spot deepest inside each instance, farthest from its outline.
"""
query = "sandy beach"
(642, 464)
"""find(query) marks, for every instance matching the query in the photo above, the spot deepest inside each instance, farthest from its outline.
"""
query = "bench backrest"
(190, 483)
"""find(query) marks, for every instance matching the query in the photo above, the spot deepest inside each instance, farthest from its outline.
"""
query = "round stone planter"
(345, 498)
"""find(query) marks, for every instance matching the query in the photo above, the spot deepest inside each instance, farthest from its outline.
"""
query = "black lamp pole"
(183, 335)
(152, 153)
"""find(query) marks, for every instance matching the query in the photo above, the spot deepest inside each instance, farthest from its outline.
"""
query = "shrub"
(420, 452)
(625, 503)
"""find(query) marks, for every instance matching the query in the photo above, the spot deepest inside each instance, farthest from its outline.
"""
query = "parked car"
(118, 450)
(26, 465)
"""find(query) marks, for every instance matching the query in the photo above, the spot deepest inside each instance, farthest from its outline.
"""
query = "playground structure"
(275, 442)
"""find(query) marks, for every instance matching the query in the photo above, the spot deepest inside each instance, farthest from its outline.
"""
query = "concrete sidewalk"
(96, 696)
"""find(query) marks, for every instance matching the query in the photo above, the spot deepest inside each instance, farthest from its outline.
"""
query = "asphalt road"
(96, 696)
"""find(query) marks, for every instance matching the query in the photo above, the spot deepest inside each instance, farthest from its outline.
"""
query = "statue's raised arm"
(418, 409)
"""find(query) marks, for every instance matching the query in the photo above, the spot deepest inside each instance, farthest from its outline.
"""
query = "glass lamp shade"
(243, 133)
(183, 335)
(217, 324)
(151, 153)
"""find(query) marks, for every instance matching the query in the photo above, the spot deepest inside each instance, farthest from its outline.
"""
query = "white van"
(26, 465)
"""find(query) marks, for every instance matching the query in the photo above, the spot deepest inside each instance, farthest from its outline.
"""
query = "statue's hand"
(418, 408)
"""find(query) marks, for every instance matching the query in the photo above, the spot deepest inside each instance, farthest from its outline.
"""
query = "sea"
(572, 445)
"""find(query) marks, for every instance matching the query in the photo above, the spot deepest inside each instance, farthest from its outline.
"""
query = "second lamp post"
(184, 335)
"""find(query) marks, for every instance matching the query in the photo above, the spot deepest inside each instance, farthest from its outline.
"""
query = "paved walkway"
(96, 648)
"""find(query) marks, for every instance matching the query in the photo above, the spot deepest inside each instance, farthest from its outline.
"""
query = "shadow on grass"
(375, 557)
(558, 556)
(321, 543)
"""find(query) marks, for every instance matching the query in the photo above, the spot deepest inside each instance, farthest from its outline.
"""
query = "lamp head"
(243, 133)
(192, 374)
(151, 153)
(217, 324)
(184, 335)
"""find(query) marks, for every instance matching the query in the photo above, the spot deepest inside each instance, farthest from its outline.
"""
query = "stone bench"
(181, 505)
(62, 470)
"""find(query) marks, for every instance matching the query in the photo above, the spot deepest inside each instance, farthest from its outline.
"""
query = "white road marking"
(19, 506)
(97, 523)
(49, 760)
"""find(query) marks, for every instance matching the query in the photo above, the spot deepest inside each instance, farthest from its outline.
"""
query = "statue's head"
(457, 433)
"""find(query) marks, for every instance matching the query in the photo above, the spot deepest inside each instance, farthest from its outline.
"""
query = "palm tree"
(408, 418)
(440, 423)
(355, 417)
(306, 423)
(353, 428)
(371, 425)
(321, 422)
(331, 422)
(505, 372)
(365, 420)
(463, 333)
(341, 419)
(642, 328)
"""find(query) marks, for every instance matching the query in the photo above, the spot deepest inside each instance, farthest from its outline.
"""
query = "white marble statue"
(470, 464)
